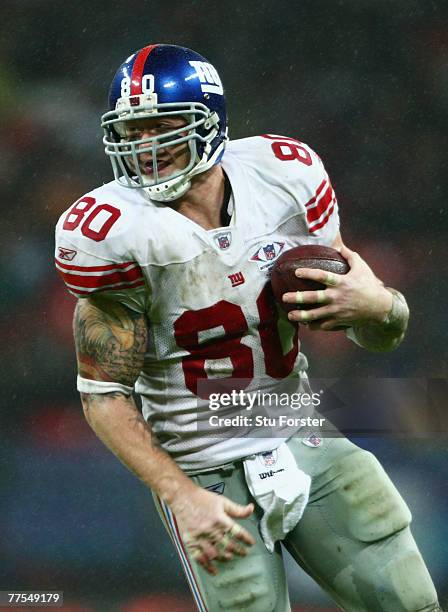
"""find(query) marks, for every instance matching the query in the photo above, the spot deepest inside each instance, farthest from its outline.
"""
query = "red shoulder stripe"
(315, 212)
(80, 293)
(88, 269)
(324, 220)
(122, 276)
(318, 190)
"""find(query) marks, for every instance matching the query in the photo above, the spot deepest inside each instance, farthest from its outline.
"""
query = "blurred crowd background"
(365, 83)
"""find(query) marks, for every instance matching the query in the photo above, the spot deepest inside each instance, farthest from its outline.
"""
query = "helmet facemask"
(201, 128)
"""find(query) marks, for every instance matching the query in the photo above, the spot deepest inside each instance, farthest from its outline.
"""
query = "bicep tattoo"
(110, 341)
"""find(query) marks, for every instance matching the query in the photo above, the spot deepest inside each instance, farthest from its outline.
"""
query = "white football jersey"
(206, 295)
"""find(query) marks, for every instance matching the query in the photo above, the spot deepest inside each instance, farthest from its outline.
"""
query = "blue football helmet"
(165, 80)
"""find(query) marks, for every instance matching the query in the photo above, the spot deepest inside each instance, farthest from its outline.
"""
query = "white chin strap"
(167, 192)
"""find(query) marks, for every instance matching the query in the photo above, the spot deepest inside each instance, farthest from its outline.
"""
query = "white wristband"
(84, 385)
(385, 336)
(398, 315)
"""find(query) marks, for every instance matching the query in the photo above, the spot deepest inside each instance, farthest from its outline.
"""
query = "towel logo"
(269, 474)
(269, 458)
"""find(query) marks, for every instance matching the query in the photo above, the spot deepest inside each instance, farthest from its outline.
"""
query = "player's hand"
(349, 299)
(208, 529)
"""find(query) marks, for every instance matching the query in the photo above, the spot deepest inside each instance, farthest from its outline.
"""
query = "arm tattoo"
(110, 341)
(140, 426)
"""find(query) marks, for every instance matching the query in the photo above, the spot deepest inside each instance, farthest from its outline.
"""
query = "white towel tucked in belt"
(280, 488)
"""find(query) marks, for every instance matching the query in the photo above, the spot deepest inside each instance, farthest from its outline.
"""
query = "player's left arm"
(376, 316)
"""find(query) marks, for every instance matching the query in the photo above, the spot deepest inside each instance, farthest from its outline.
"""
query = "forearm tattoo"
(110, 341)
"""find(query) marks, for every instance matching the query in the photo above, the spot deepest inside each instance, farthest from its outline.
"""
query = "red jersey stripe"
(169, 521)
(79, 293)
(323, 221)
(89, 269)
(319, 189)
(102, 280)
(314, 213)
(187, 559)
(137, 70)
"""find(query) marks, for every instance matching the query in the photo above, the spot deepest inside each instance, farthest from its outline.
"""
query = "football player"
(170, 263)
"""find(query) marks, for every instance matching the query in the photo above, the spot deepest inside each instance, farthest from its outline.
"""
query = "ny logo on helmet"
(209, 78)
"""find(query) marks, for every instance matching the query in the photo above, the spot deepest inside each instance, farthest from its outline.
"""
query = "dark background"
(365, 83)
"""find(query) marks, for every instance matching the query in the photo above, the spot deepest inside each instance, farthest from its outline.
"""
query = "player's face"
(169, 159)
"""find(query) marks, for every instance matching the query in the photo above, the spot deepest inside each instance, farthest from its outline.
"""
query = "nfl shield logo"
(266, 254)
(223, 240)
(269, 458)
(312, 440)
(269, 251)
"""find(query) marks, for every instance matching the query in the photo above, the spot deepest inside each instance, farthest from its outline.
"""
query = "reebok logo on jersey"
(236, 279)
(67, 254)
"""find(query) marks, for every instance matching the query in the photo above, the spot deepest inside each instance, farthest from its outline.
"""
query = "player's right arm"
(110, 346)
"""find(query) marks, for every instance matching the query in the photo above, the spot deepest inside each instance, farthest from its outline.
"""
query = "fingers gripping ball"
(283, 278)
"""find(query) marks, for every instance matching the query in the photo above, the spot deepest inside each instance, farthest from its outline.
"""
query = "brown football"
(283, 278)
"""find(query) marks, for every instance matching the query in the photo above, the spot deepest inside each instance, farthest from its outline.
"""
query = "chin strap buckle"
(212, 120)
